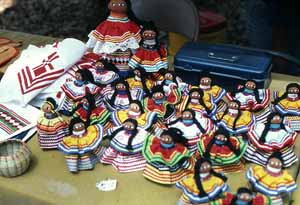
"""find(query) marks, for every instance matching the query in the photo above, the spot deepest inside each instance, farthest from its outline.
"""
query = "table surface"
(49, 182)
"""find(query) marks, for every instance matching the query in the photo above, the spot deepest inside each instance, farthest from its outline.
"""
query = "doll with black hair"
(274, 135)
(151, 55)
(78, 88)
(172, 80)
(51, 127)
(82, 148)
(168, 159)
(104, 72)
(224, 151)
(235, 120)
(243, 196)
(193, 130)
(118, 36)
(199, 102)
(161, 102)
(87, 111)
(120, 97)
(202, 186)
(252, 99)
(125, 148)
(288, 103)
(139, 85)
(272, 179)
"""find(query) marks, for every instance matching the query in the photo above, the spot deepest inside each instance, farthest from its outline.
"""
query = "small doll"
(272, 180)
(193, 129)
(51, 127)
(87, 111)
(139, 86)
(82, 148)
(75, 90)
(252, 99)
(288, 104)
(170, 78)
(224, 151)
(135, 111)
(125, 148)
(235, 120)
(160, 101)
(104, 72)
(168, 159)
(199, 102)
(244, 196)
(117, 36)
(152, 56)
(274, 135)
(120, 97)
(202, 186)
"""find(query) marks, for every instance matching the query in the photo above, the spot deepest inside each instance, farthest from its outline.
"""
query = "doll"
(51, 127)
(234, 120)
(168, 159)
(116, 37)
(193, 129)
(152, 56)
(199, 102)
(75, 90)
(139, 85)
(223, 150)
(160, 101)
(244, 196)
(202, 186)
(288, 104)
(120, 97)
(82, 148)
(171, 78)
(104, 72)
(125, 147)
(272, 136)
(87, 111)
(272, 180)
(252, 99)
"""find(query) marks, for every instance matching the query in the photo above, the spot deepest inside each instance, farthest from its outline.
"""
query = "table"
(49, 182)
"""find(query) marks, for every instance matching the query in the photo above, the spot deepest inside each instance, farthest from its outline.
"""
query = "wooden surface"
(49, 182)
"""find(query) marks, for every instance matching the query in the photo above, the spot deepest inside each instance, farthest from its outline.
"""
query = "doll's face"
(46, 107)
(205, 168)
(166, 139)
(118, 6)
(221, 137)
(195, 95)
(129, 126)
(78, 127)
(187, 115)
(169, 76)
(293, 90)
(158, 95)
(99, 64)
(233, 105)
(205, 81)
(78, 76)
(137, 73)
(275, 163)
(244, 197)
(134, 107)
(85, 102)
(276, 119)
(120, 86)
(149, 35)
(250, 85)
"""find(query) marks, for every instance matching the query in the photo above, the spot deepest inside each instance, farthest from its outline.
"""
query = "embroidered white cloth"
(37, 68)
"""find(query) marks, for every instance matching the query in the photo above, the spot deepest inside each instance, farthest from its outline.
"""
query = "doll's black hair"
(134, 132)
(277, 155)
(205, 74)
(108, 65)
(176, 134)
(203, 131)
(256, 94)
(268, 124)
(197, 178)
(86, 75)
(237, 117)
(92, 105)
(139, 104)
(51, 101)
(157, 89)
(277, 100)
(242, 190)
(75, 121)
(224, 132)
(113, 97)
(208, 111)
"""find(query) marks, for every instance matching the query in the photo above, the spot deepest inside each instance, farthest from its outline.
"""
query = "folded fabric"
(37, 68)
(17, 122)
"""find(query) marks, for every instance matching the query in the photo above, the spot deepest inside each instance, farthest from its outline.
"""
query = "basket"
(14, 158)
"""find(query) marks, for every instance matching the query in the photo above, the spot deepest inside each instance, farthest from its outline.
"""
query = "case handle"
(214, 56)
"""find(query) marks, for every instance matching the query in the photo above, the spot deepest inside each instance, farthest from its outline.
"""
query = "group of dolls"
(176, 133)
